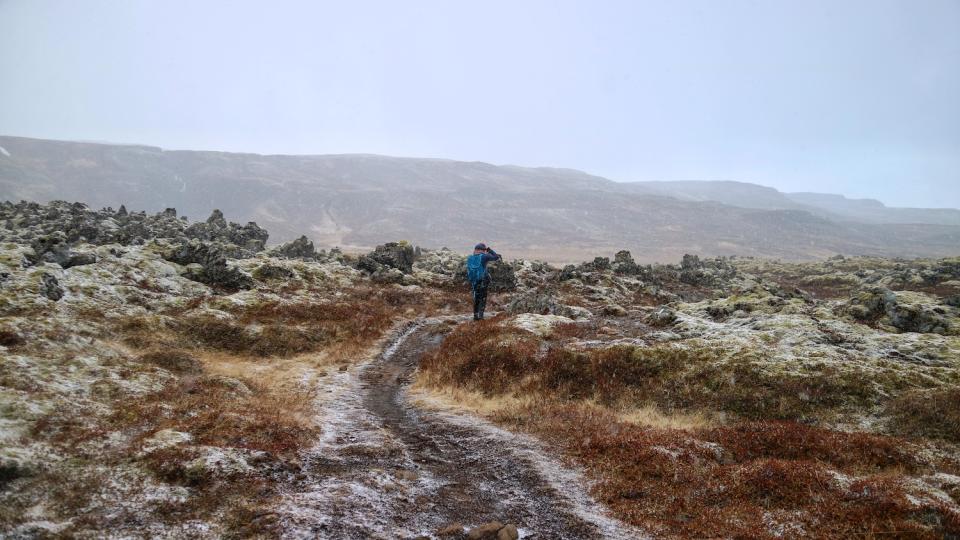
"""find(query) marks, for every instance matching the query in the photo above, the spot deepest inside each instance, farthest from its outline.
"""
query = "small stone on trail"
(508, 532)
(487, 530)
(454, 529)
(406, 475)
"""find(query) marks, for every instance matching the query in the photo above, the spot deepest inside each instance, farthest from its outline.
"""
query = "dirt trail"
(385, 469)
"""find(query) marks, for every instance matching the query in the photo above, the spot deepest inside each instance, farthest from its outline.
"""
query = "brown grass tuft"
(928, 413)
(174, 360)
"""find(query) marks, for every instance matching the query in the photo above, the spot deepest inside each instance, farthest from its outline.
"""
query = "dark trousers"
(480, 297)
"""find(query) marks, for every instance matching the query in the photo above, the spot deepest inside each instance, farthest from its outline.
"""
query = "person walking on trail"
(479, 278)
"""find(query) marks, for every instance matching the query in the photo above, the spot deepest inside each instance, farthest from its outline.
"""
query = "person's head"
(480, 248)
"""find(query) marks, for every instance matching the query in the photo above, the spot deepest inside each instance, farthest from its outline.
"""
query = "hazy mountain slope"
(727, 192)
(836, 207)
(362, 200)
(873, 211)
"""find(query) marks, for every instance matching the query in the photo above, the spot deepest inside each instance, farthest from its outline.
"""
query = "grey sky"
(853, 97)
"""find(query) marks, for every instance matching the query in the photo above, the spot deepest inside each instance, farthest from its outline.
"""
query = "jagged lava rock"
(301, 248)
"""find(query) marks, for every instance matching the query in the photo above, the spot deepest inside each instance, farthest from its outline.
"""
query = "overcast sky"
(854, 97)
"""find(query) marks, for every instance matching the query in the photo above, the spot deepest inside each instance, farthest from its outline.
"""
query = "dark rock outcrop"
(50, 287)
(54, 229)
(663, 316)
(542, 302)
(270, 271)
(399, 255)
(214, 270)
(249, 237)
(301, 248)
(623, 263)
(908, 312)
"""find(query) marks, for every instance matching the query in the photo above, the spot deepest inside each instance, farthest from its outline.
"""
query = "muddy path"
(386, 469)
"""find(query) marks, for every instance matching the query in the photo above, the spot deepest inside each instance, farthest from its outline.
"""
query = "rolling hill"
(357, 201)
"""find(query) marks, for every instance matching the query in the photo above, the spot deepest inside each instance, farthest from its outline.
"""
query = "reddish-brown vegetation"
(483, 357)
(750, 480)
(756, 476)
(497, 359)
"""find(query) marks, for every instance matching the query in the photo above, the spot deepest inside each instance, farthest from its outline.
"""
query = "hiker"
(479, 278)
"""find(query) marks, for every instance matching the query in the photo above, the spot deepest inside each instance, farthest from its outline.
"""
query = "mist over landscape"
(356, 201)
(433, 270)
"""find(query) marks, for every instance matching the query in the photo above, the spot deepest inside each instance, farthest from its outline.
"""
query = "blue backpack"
(475, 270)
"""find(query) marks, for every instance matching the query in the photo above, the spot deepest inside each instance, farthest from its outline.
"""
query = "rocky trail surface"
(386, 469)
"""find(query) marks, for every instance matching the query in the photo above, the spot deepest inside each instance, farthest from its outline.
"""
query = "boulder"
(367, 264)
(623, 263)
(216, 219)
(443, 262)
(540, 301)
(214, 269)
(503, 277)
(452, 530)
(272, 271)
(915, 312)
(301, 248)
(80, 259)
(662, 317)
(487, 530)
(867, 305)
(540, 325)
(16, 463)
(508, 532)
(165, 438)
(399, 255)
(387, 275)
(251, 236)
(51, 248)
(600, 263)
(905, 310)
(568, 272)
(543, 302)
(690, 262)
(50, 287)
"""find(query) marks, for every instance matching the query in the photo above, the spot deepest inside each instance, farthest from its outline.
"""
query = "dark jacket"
(490, 255)
(485, 258)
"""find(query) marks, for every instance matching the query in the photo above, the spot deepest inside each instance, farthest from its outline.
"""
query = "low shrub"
(484, 356)
(217, 333)
(673, 378)
(931, 413)
(271, 421)
(742, 481)
(851, 452)
(174, 360)
(11, 338)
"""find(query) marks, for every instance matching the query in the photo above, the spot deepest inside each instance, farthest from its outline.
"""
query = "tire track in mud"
(386, 469)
